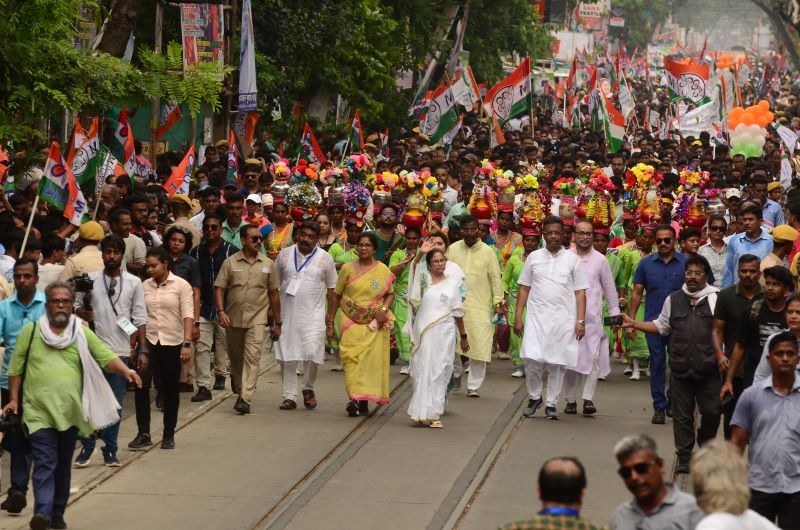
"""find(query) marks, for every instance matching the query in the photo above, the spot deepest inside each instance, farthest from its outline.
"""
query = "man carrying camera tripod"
(114, 305)
(25, 306)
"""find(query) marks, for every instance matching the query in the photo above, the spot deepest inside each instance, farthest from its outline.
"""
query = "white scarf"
(708, 291)
(100, 406)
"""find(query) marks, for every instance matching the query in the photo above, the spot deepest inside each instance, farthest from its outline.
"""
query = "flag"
(511, 97)
(448, 137)
(85, 159)
(309, 148)
(170, 115)
(440, 116)
(178, 182)
(497, 136)
(78, 137)
(59, 188)
(718, 137)
(107, 166)
(614, 125)
(465, 89)
(250, 123)
(123, 148)
(686, 81)
(625, 96)
(232, 176)
(788, 136)
(356, 133)
(248, 92)
(572, 79)
(703, 51)
(4, 163)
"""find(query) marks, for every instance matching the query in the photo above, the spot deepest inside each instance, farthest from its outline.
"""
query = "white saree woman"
(433, 340)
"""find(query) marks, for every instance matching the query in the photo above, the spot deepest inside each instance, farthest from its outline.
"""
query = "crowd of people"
(671, 255)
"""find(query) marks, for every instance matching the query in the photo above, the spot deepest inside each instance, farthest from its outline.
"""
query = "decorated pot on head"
(641, 188)
(566, 190)
(596, 204)
(714, 204)
(415, 211)
(281, 173)
(382, 185)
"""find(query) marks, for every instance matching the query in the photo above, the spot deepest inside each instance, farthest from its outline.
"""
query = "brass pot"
(382, 197)
(436, 205)
(279, 188)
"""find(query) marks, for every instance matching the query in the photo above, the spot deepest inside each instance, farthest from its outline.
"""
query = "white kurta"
(551, 313)
(434, 335)
(303, 315)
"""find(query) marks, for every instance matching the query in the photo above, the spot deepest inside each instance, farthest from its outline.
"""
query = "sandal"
(436, 424)
(352, 408)
(309, 400)
(287, 404)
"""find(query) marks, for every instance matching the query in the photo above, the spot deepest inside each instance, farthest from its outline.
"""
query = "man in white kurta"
(593, 361)
(553, 286)
(308, 276)
(484, 299)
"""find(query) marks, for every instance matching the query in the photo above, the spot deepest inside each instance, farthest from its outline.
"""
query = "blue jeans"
(20, 456)
(110, 434)
(657, 345)
(52, 469)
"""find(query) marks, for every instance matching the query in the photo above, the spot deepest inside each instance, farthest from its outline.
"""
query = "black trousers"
(686, 394)
(166, 360)
(784, 506)
(727, 410)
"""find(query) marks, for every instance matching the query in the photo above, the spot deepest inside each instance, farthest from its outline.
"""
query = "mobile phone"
(273, 336)
(613, 321)
(727, 399)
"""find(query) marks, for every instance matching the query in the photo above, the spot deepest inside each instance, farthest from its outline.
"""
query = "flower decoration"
(333, 176)
(586, 170)
(359, 166)
(528, 182)
(304, 196)
(568, 186)
(356, 199)
(486, 170)
(280, 169)
(482, 203)
(642, 175)
(539, 170)
(600, 182)
(304, 172)
(429, 187)
(691, 176)
(505, 182)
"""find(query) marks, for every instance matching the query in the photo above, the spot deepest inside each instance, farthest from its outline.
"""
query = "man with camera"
(26, 305)
(88, 258)
(112, 301)
(593, 360)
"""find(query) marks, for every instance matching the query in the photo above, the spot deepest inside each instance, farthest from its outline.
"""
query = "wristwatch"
(581, 322)
(187, 344)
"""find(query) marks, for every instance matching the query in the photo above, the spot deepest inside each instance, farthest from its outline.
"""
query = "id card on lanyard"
(294, 283)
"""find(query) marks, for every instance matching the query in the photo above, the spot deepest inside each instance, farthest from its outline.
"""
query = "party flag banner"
(59, 188)
(686, 81)
(178, 182)
(511, 97)
(309, 147)
(440, 116)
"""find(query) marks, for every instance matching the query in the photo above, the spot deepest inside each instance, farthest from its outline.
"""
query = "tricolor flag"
(465, 89)
(497, 136)
(356, 133)
(178, 182)
(123, 142)
(686, 81)
(309, 148)
(718, 137)
(85, 160)
(59, 188)
(511, 97)
(448, 137)
(232, 176)
(107, 166)
(78, 137)
(169, 116)
(440, 115)
(614, 124)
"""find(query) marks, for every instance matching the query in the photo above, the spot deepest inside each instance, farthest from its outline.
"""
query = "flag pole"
(30, 224)
(530, 97)
(344, 149)
(96, 192)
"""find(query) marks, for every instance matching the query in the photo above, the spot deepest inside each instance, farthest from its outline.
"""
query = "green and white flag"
(440, 115)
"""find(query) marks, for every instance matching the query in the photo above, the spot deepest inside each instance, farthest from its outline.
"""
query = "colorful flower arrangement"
(600, 182)
(430, 187)
(601, 210)
(642, 175)
(304, 172)
(304, 195)
(486, 170)
(280, 169)
(568, 186)
(356, 199)
(359, 165)
(539, 170)
(483, 203)
(505, 182)
(690, 177)
(333, 176)
(586, 170)
(531, 211)
(527, 182)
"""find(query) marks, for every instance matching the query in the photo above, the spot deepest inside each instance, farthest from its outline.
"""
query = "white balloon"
(755, 130)
(759, 141)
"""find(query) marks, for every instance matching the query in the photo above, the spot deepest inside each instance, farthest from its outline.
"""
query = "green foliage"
(42, 74)
(498, 27)
(200, 84)
(641, 19)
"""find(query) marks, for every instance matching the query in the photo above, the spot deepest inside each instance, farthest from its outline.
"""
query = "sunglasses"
(255, 239)
(210, 227)
(666, 240)
(111, 287)
(642, 468)
(716, 228)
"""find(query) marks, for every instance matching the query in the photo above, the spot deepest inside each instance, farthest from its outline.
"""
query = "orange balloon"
(768, 118)
(764, 104)
(736, 112)
(733, 122)
(748, 118)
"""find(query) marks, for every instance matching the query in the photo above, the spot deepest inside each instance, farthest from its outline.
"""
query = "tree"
(118, 26)
(641, 19)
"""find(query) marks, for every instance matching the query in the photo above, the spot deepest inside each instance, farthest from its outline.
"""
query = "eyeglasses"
(111, 287)
(665, 240)
(716, 228)
(438, 261)
(210, 227)
(642, 468)
(584, 234)
(255, 239)
(694, 274)
(60, 302)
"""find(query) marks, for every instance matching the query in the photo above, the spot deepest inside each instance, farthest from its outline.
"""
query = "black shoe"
(141, 442)
(683, 465)
(203, 394)
(533, 405)
(571, 408)
(219, 382)
(39, 522)
(352, 408)
(659, 417)
(550, 413)
(241, 406)
(588, 408)
(363, 407)
(16, 502)
(185, 387)
(4, 504)
(168, 442)
(159, 401)
(58, 523)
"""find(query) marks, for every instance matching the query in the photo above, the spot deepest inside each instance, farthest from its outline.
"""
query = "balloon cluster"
(747, 127)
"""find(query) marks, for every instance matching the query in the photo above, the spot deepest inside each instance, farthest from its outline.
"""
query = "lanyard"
(105, 284)
(559, 511)
(305, 262)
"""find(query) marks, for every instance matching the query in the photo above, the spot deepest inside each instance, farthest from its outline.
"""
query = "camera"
(83, 284)
(9, 422)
